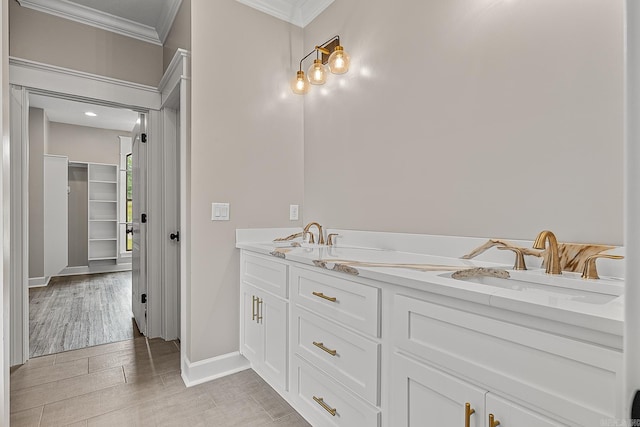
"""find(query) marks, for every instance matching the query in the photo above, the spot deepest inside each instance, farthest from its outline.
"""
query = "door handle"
(468, 411)
(492, 421)
(175, 236)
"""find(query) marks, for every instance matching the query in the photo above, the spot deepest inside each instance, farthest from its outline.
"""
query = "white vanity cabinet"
(445, 357)
(335, 346)
(264, 318)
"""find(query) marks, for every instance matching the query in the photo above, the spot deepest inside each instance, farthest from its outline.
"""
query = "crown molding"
(98, 19)
(166, 20)
(300, 13)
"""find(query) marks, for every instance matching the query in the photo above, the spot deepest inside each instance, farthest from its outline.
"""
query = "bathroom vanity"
(349, 340)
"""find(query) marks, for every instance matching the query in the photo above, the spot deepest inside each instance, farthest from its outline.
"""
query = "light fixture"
(338, 61)
(90, 114)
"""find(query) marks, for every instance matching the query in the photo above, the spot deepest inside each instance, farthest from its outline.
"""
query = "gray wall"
(78, 217)
(38, 128)
(52, 40)
(180, 34)
(472, 118)
(85, 144)
(246, 149)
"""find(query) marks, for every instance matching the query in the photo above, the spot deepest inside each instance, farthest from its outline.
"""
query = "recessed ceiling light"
(90, 114)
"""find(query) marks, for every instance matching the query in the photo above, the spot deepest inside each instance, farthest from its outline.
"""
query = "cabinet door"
(513, 415)
(274, 324)
(425, 396)
(252, 336)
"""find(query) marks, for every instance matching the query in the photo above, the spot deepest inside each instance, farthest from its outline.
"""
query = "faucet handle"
(519, 265)
(330, 238)
(589, 271)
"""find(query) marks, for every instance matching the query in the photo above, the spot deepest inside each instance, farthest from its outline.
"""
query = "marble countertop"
(562, 298)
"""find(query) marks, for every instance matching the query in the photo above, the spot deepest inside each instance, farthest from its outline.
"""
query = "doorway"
(80, 200)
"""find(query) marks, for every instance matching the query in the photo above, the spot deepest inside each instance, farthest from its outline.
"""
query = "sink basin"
(568, 287)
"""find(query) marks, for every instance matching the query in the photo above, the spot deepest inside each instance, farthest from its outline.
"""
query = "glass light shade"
(339, 61)
(299, 84)
(317, 73)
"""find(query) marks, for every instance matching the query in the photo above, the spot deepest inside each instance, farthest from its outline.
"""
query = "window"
(129, 219)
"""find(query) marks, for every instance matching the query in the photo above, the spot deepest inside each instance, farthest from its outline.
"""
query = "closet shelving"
(103, 211)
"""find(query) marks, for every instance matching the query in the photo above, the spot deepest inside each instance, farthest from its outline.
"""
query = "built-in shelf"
(103, 211)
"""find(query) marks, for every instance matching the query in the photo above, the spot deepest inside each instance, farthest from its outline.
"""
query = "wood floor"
(137, 383)
(74, 312)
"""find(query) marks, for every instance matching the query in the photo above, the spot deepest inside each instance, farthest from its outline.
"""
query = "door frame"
(50, 80)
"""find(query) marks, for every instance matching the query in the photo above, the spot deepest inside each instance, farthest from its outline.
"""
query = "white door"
(424, 396)
(510, 414)
(139, 197)
(273, 312)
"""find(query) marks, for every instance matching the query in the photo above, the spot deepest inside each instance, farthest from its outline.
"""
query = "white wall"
(52, 40)
(246, 149)
(470, 117)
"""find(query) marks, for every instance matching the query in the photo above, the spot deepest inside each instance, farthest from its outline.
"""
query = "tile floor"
(137, 383)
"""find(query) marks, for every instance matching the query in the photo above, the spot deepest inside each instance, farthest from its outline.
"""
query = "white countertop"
(600, 309)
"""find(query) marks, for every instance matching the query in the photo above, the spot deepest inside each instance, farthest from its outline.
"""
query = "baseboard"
(85, 269)
(39, 282)
(209, 369)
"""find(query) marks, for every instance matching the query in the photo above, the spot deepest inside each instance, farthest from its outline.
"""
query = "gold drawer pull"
(253, 307)
(468, 411)
(259, 311)
(326, 407)
(323, 348)
(321, 295)
(493, 422)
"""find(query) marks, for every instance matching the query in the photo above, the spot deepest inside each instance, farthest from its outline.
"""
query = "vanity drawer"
(348, 357)
(265, 272)
(344, 301)
(333, 405)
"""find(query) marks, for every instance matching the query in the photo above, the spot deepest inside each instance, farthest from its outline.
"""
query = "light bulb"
(339, 61)
(299, 84)
(317, 73)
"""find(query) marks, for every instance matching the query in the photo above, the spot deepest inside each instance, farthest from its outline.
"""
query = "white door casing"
(139, 269)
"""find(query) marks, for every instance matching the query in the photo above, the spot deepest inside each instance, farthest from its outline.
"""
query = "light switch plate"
(293, 212)
(219, 211)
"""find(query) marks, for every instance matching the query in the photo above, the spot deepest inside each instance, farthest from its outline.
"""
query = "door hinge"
(143, 298)
(143, 137)
(143, 218)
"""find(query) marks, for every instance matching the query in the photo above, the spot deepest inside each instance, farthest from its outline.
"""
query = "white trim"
(177, 71)
(82, 86)
(300, 13)
(106, 21)
(39, 282)
(94, 269)
(194, 373)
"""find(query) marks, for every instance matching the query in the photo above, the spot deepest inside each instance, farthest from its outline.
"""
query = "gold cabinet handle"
(468, 411)
(321, 295)
(253, 307)
(589, 271)
(259, 311)
(323, 348)
(493, 422)
(326, 407)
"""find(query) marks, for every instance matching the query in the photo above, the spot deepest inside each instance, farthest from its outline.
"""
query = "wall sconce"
(338, 62)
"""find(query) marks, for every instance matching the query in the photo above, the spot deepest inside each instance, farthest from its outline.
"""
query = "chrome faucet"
(552, 260)
(311, 239)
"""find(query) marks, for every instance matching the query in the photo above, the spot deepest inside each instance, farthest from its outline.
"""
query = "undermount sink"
(567, 287)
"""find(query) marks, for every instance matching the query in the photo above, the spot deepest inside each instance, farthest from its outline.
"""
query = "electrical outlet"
(293, 212)
(219, 211)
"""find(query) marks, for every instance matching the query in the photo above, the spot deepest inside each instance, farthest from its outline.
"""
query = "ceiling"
(72, 112)
(147, 20)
